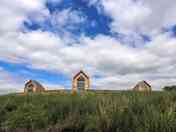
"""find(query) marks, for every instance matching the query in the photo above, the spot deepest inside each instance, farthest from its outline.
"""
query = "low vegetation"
(91, 112)
(170, 88)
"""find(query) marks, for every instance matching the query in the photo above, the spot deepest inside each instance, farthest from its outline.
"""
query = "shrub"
(169, 88)
(90, 112)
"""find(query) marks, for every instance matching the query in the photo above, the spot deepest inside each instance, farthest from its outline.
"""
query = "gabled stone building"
(33, 86)
(143, 86)
(81, 82)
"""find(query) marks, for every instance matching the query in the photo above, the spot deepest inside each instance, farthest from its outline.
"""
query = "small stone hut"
(33, 86)
(81, 82)
(143, 86)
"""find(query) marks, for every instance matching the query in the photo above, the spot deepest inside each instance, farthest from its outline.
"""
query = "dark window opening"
(30, 88)
(81, 83)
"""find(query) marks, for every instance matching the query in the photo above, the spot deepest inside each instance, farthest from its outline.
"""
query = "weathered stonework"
(84, 78)
(33, 86)
(143, 86)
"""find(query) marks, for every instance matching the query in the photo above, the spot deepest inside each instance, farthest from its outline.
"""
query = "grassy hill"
(91, 112)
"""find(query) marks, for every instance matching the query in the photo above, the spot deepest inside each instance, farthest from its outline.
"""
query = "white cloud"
(67, 19)
(146, 16)
(7, 83)
(14, 13)
(120, 66)
(127, 15)
(162, 14)
(123, 66)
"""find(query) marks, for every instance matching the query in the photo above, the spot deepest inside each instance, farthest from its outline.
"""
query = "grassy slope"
(92, 112)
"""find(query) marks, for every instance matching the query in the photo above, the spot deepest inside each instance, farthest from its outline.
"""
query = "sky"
(116, 42)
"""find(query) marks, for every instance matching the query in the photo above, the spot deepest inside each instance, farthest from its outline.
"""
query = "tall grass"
(91, 112)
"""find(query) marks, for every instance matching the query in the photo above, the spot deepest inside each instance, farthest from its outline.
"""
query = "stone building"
(81, 82)
(33, 86)
(143, 86)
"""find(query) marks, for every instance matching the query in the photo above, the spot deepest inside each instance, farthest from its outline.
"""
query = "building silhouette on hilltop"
(80, 83)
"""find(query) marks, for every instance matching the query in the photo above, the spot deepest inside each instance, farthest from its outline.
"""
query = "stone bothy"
(81, 82)
(143, 86)
(33, 86)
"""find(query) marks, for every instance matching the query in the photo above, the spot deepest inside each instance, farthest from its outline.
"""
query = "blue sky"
(94, 23)
(118, 43)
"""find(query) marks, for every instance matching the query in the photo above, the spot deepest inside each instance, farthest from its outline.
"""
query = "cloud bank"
(110, 61)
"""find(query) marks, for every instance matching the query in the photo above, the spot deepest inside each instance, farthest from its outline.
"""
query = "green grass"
(91, 112)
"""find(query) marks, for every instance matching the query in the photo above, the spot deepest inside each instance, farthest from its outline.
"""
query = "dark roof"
(81, 72)
(34, 81)
(145, 83)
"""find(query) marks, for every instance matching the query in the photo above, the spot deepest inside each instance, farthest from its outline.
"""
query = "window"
(81, 83)
(30, 88)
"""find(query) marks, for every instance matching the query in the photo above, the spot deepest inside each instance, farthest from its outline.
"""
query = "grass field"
(91, 112)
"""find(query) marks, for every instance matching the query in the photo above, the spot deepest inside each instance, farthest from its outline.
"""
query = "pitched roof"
(143, 82)
(81, 72)
(33, 81)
